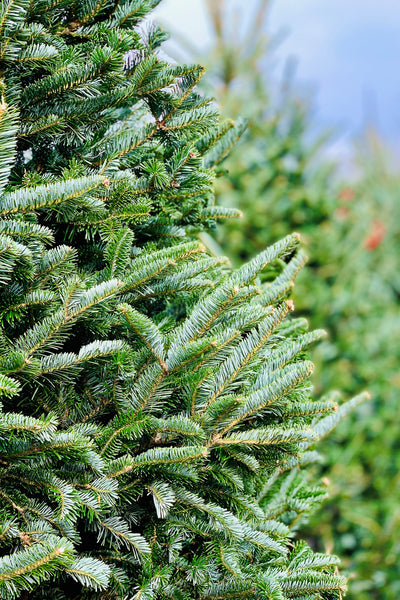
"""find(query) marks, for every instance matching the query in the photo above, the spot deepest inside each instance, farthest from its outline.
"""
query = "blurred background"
(318, 83)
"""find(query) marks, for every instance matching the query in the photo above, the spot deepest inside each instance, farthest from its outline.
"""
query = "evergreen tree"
(363, 350)
(156, 404)
(279, 177)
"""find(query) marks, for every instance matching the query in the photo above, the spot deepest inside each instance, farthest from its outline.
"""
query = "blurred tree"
(281, 180)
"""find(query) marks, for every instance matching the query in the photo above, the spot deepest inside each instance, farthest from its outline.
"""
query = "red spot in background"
(376, 237)
(341, 213)
(347, 194)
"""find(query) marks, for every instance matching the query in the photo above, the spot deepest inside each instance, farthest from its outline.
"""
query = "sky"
(347, 52)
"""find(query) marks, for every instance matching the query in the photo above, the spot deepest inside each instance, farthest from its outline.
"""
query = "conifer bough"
(156, 409)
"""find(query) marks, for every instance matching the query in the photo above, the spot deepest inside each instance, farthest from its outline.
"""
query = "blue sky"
(348, 51)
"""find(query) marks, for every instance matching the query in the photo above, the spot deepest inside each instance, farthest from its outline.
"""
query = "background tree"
(278, 177)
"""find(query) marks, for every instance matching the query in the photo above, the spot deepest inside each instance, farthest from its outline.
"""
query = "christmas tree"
(156, 405)
(279, 176)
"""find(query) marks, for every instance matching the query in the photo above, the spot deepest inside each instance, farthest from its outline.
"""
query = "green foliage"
(156, 405)
(366, 353)
(278, 180)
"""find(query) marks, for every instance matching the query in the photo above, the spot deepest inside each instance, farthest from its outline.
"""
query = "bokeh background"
(345, 51)
(319, 84)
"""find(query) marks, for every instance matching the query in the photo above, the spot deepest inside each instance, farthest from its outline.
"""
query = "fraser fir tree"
(156, 405)
(281, 182)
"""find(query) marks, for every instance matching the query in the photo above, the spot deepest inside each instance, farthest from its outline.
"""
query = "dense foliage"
(281, 182)
(363, 351)
(156, 404)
